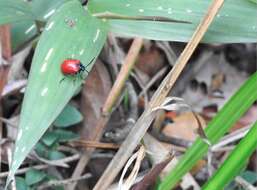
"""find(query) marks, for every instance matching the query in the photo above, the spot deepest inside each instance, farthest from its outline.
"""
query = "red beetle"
(73, 67)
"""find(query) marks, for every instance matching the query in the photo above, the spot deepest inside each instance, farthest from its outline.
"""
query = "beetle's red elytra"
(72, 67)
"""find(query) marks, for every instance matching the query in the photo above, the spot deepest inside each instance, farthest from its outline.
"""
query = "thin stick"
(156, 77)
(63, 182)
(112, 98)
(240, 133)
(94, 144)
(245, 184)
(42, 166)
(129, 63)
(5, 37)
(8, 122)
(24, 170)
(6, 52)
(147, 117)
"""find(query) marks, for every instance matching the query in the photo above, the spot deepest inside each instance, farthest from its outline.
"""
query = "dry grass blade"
(159, 152)
(151, 177)
(54, 183)
(147, 117)
(138, 157)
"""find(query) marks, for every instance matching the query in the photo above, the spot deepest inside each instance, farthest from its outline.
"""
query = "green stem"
(233, 164)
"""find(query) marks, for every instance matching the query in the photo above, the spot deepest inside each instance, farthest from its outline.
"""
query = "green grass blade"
(236, 22)
(71, 33)
(152, 30)
(226, 117)
(234, 163)
(14, 11)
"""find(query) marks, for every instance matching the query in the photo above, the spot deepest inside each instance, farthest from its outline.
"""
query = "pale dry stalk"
(147, 117)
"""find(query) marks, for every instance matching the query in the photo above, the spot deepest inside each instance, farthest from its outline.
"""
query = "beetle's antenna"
(89, 63)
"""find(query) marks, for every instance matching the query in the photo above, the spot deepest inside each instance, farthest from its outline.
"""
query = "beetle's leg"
(82, 80)
(74, 80)
(81, 76)
(61, 80)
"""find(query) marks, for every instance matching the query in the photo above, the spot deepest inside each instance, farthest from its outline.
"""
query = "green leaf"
(69, 116)
(254, 1)
(21, 183)
(49, 138)
(249, 176)
(70, 33)
(238, 104)
(41, 149)
(34, 176)
(64, 135)
(55, 155)
(14, 11)
(236, 22)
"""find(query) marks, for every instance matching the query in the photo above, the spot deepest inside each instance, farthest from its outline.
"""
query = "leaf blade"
(44, 91)
(236, 22)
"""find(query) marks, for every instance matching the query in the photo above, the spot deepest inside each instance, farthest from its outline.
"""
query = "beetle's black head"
(82, 67)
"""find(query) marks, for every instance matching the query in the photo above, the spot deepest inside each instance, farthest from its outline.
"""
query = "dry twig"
(94, 144)
(147, 117)
(113, 96)
(42, 166)
(63, 182)
(156, 77)
(245, 184)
